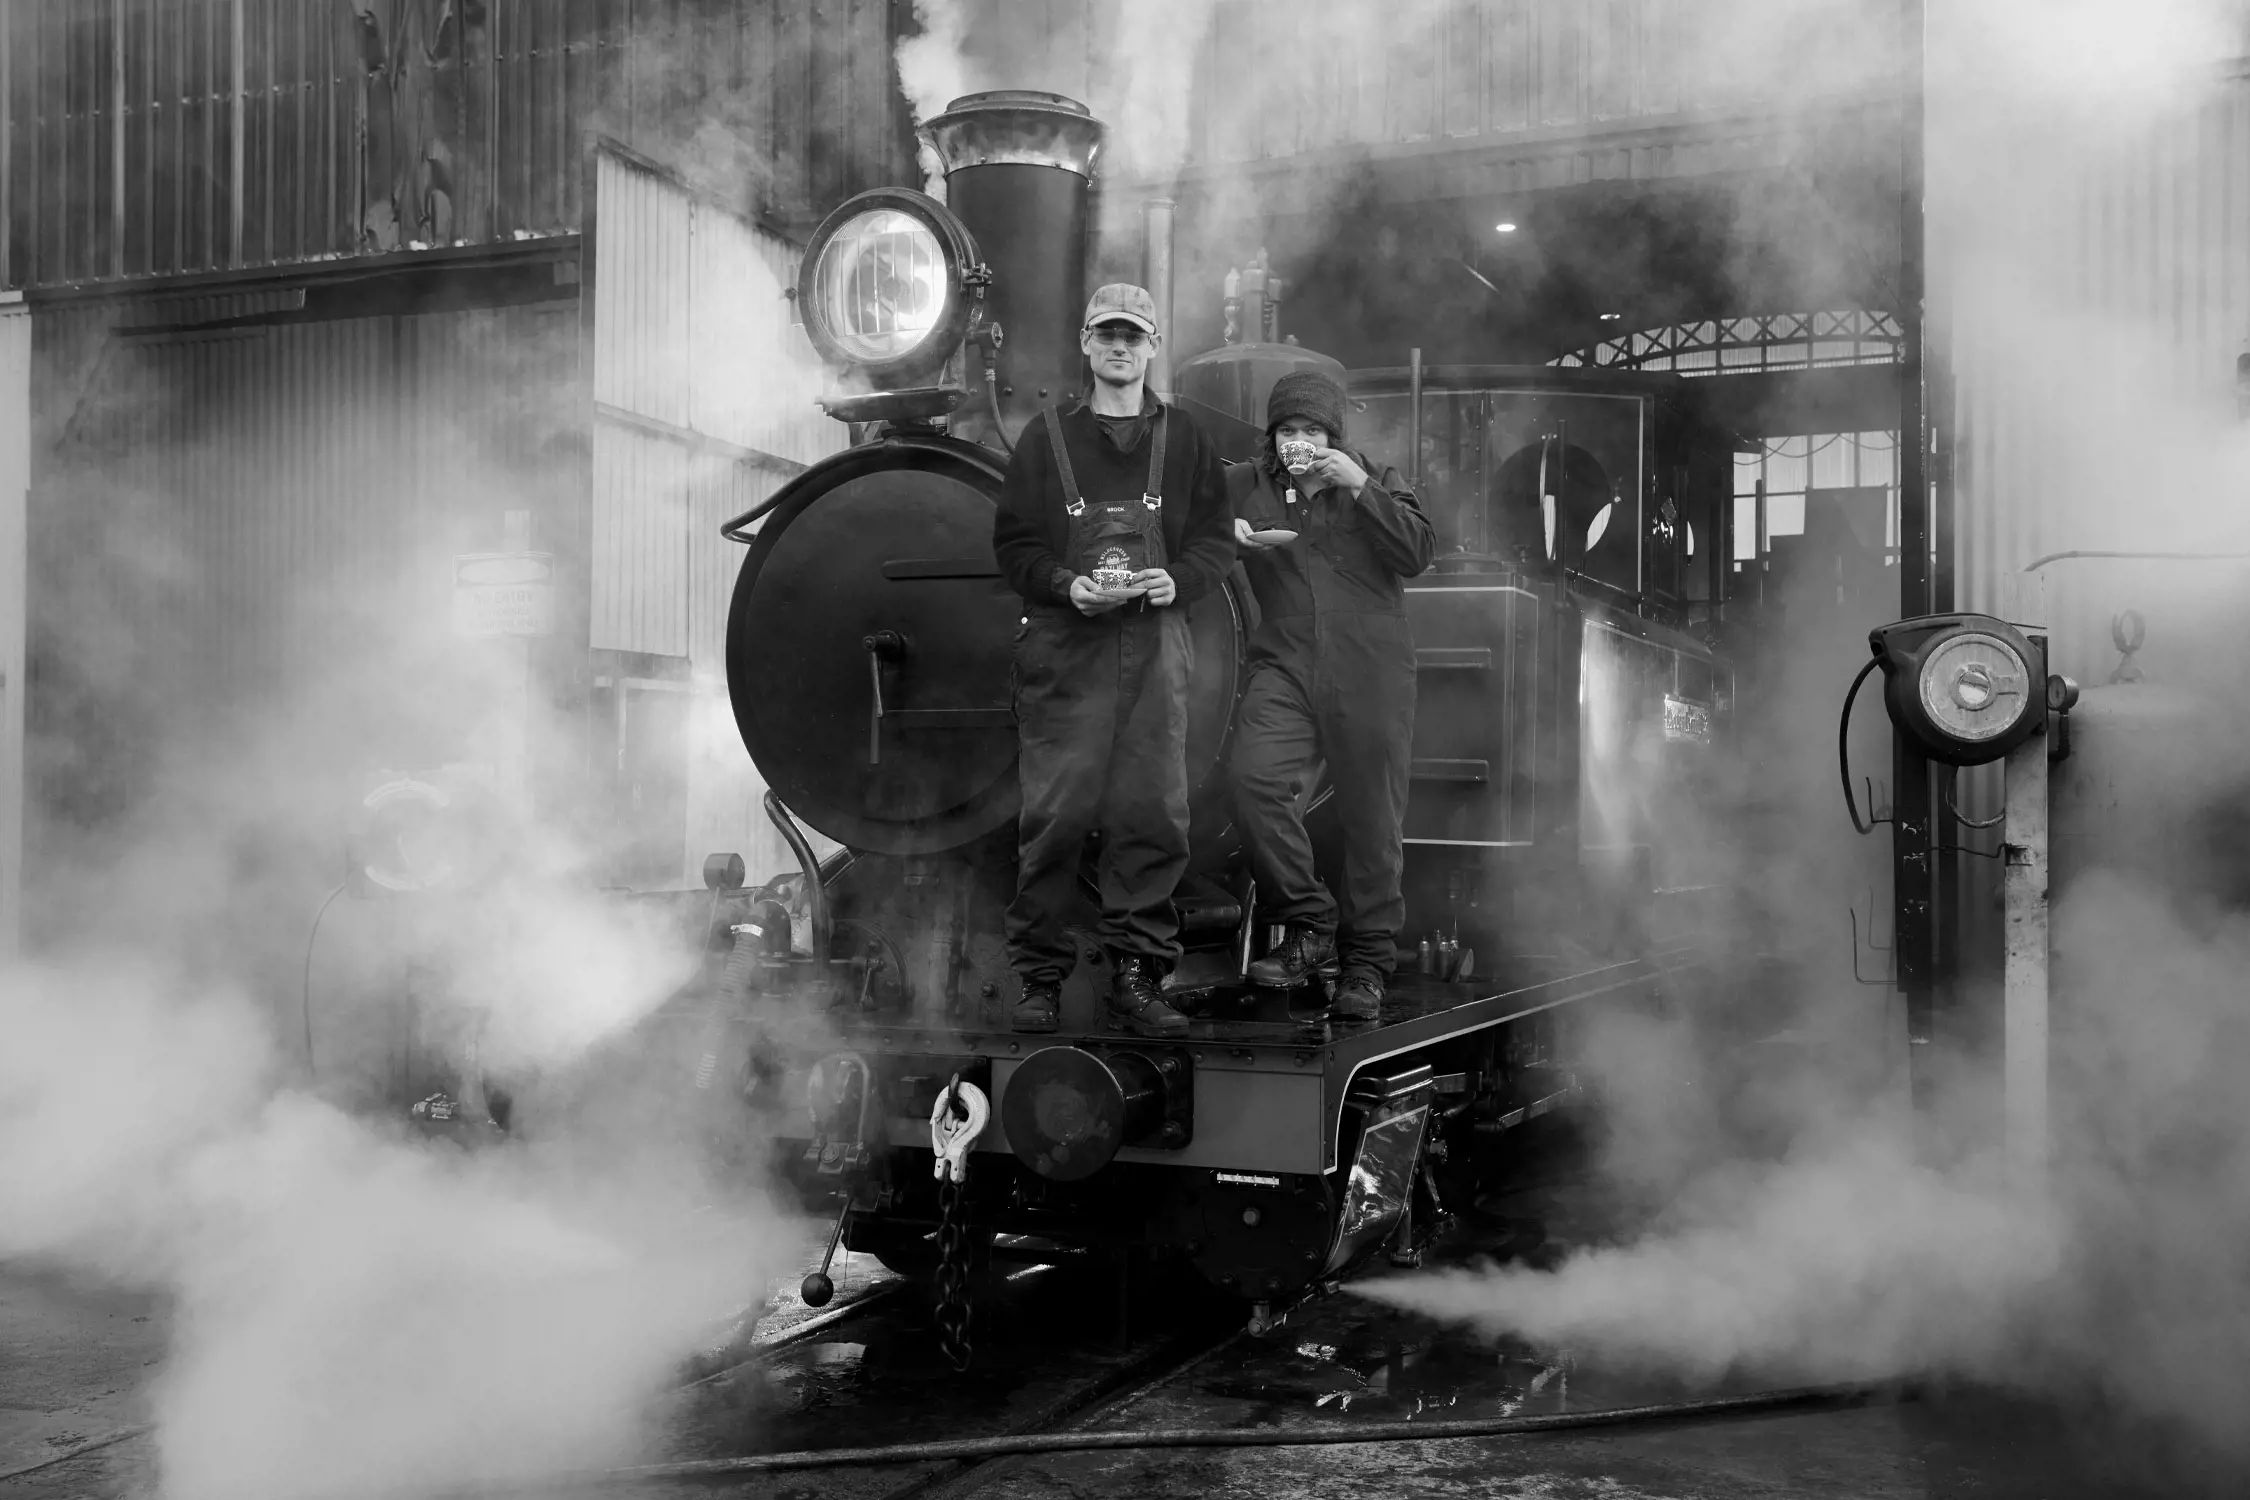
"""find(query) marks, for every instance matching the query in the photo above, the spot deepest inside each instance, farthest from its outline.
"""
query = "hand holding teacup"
(1156, 586)
(1333, 466)
(1091, 597)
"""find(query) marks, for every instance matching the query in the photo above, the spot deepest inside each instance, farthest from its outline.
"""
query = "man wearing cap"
(1331, 679)
(1112, 521)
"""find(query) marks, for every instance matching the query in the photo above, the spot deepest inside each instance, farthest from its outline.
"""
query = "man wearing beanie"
(1331, 678)
(1112, 521)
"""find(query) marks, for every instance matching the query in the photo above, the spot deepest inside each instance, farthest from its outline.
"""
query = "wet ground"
(1054, 1350)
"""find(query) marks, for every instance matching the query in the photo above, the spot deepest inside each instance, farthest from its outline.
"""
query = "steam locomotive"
(1561, 802)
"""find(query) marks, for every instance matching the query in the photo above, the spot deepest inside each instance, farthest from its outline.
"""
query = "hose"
(992, 398)
(80, 1450)
(2053, 557)
(1844, 748)
(1858, 1393)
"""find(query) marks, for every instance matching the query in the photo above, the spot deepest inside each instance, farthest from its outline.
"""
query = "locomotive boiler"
(1570, 708)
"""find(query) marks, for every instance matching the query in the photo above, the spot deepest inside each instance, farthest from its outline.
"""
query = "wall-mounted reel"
(1966, 689)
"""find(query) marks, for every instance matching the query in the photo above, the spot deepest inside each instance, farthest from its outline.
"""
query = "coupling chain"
(953, 1278)
(956, 1121)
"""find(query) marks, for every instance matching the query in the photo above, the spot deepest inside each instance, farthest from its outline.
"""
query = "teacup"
(1297, 454)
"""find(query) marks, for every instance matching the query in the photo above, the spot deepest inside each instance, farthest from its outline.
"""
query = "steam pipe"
(816, 895)
(1156, 275)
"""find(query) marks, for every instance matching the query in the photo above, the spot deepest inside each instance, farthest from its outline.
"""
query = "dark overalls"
(1101, 712)
(1331, 678)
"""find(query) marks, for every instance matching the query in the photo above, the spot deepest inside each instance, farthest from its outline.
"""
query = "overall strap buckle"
(1153, 495)
(1074, 503)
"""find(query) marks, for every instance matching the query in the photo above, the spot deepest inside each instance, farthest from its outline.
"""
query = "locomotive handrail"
(933, 444)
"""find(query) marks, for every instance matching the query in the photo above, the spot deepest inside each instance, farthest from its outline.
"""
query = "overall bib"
(1101, 714)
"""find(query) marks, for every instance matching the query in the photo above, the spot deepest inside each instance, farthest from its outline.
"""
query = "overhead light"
(1506, 226)
(1611, 317)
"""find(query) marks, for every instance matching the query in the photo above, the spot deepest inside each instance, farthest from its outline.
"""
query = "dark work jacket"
(1030, 529)
(1352, 556)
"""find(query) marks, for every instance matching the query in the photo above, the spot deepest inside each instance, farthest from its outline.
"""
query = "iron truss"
(1773, 341)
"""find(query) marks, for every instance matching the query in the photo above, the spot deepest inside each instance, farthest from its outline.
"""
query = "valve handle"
(959, 1117)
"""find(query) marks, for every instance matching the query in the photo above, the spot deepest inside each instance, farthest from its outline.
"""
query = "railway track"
(1051, 1356)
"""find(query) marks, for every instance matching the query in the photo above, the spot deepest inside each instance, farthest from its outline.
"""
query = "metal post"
(1913, 876)
(1156, 275)
(1414, 420)
(238, 106)
(10, 22)
(117, 138)
(2024, 1024)
(15, 485)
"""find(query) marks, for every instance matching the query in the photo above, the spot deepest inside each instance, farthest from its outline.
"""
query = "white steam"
(354, 1312)
(933, 72)
(1869, 1243)
(356, 1309)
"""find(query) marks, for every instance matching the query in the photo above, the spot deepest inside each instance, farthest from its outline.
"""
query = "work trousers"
(1336, 687)
(1101, 714)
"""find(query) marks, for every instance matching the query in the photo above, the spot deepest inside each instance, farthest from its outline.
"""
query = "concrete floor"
(78, 1362)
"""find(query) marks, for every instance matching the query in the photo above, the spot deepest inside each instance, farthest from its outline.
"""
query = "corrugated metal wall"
(223, 514)
(2091, 298)
(704, 396)
(1275, 78)
(1453, 70)
(2089, 295)
(157, 137)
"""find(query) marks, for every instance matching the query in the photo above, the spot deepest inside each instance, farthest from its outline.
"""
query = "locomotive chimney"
(1018, 164)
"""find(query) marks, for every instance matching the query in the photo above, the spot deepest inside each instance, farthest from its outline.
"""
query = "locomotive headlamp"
(885, 285)
(1966, 688)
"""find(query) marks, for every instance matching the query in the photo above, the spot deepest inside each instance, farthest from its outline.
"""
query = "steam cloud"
(358, 1309)
(932, 72)
(353, 1309)
(1868, 1243)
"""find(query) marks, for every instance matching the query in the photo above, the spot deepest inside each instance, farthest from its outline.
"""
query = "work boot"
(1303, 954)
(1136, 998)
(1358, 998)
(1040, 1009)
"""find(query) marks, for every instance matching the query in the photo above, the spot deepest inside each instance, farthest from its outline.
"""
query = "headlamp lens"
(881, 284)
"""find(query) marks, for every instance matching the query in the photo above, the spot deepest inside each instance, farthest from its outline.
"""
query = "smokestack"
(1018, 164)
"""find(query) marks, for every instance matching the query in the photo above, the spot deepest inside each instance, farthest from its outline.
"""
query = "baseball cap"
(1122, 302)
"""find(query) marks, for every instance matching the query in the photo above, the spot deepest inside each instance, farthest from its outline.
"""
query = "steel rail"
(1796, 1398)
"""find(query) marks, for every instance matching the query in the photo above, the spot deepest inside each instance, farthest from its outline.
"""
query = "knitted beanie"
(1312, 395)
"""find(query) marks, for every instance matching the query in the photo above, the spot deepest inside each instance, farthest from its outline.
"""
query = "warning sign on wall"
(504, 593)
